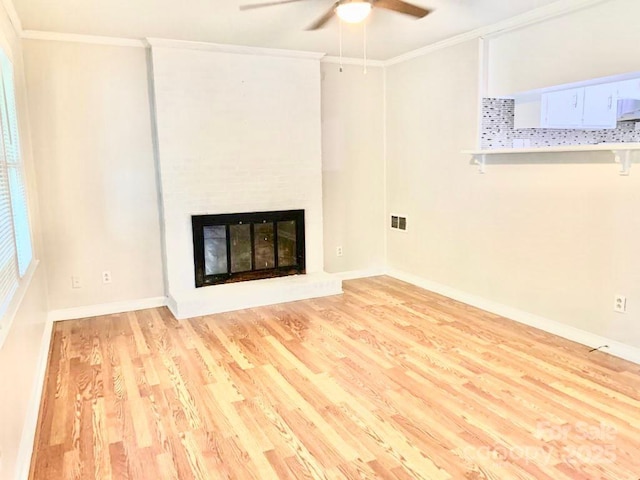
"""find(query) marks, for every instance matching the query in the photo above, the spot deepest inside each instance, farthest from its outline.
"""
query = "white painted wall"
(20, 352)
(91, 122)
(237, 133)
(553, 240)
(597, 41)
(353, 167)
(20, 358)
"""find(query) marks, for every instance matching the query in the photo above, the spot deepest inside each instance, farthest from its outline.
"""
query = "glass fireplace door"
(237, 247)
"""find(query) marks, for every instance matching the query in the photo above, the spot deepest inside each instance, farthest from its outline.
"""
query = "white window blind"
(15, 237)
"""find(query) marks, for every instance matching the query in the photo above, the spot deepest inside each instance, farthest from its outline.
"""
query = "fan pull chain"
(340, 35)
(365, 47)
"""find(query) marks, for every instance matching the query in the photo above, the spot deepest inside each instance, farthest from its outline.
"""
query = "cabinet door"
(563, 109)
(600, 106)
(629, 89)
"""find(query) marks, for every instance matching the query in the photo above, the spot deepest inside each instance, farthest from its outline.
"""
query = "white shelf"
(623, 153)
(566, 148)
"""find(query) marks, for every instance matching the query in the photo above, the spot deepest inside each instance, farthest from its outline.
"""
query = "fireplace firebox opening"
(247, 246)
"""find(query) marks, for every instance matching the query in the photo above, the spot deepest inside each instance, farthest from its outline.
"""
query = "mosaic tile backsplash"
(498, 131)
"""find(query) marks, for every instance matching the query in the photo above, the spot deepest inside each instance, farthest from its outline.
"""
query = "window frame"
(14, 171)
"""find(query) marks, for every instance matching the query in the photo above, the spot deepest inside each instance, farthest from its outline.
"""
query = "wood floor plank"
(388, 381)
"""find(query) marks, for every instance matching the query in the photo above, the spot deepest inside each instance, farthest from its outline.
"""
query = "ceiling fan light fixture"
(353, 11)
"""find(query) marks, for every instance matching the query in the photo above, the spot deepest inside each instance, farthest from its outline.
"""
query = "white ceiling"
(283, 26)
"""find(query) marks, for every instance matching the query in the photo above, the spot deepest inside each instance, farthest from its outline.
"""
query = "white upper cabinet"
(600, 106)
(563, 109)
(628, 89)
(595, 104)
(594, 107)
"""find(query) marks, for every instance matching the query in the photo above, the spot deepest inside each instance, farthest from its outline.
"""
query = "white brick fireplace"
(237, 131)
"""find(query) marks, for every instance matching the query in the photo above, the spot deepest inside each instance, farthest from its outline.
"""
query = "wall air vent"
(398, 222)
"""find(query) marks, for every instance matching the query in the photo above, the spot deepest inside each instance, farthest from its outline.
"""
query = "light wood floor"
(386, 381)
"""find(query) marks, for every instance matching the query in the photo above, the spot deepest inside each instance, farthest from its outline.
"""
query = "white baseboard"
(25, 451)
(589, 339)
(364, 273)
(105, 308)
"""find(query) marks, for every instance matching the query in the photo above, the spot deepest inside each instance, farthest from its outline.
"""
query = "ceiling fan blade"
(323, 19)
(402, 7)
(251, 6)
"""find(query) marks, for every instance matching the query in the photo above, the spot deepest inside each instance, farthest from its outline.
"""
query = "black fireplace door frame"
(199, 222)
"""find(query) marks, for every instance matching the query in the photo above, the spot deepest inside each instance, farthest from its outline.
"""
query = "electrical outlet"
(620, 304)
(76, 282)
(106, 276)
(338, 251)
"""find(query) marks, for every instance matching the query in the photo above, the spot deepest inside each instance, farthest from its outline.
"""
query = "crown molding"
(225, 48)
(77, 38)
(165, 43)
(537, 15)
(352, 61)
(547, 12)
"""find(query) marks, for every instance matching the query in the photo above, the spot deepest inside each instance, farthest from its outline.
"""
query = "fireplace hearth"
(247, 246)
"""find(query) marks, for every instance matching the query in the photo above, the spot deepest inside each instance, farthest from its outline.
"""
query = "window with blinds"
(15, 236)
